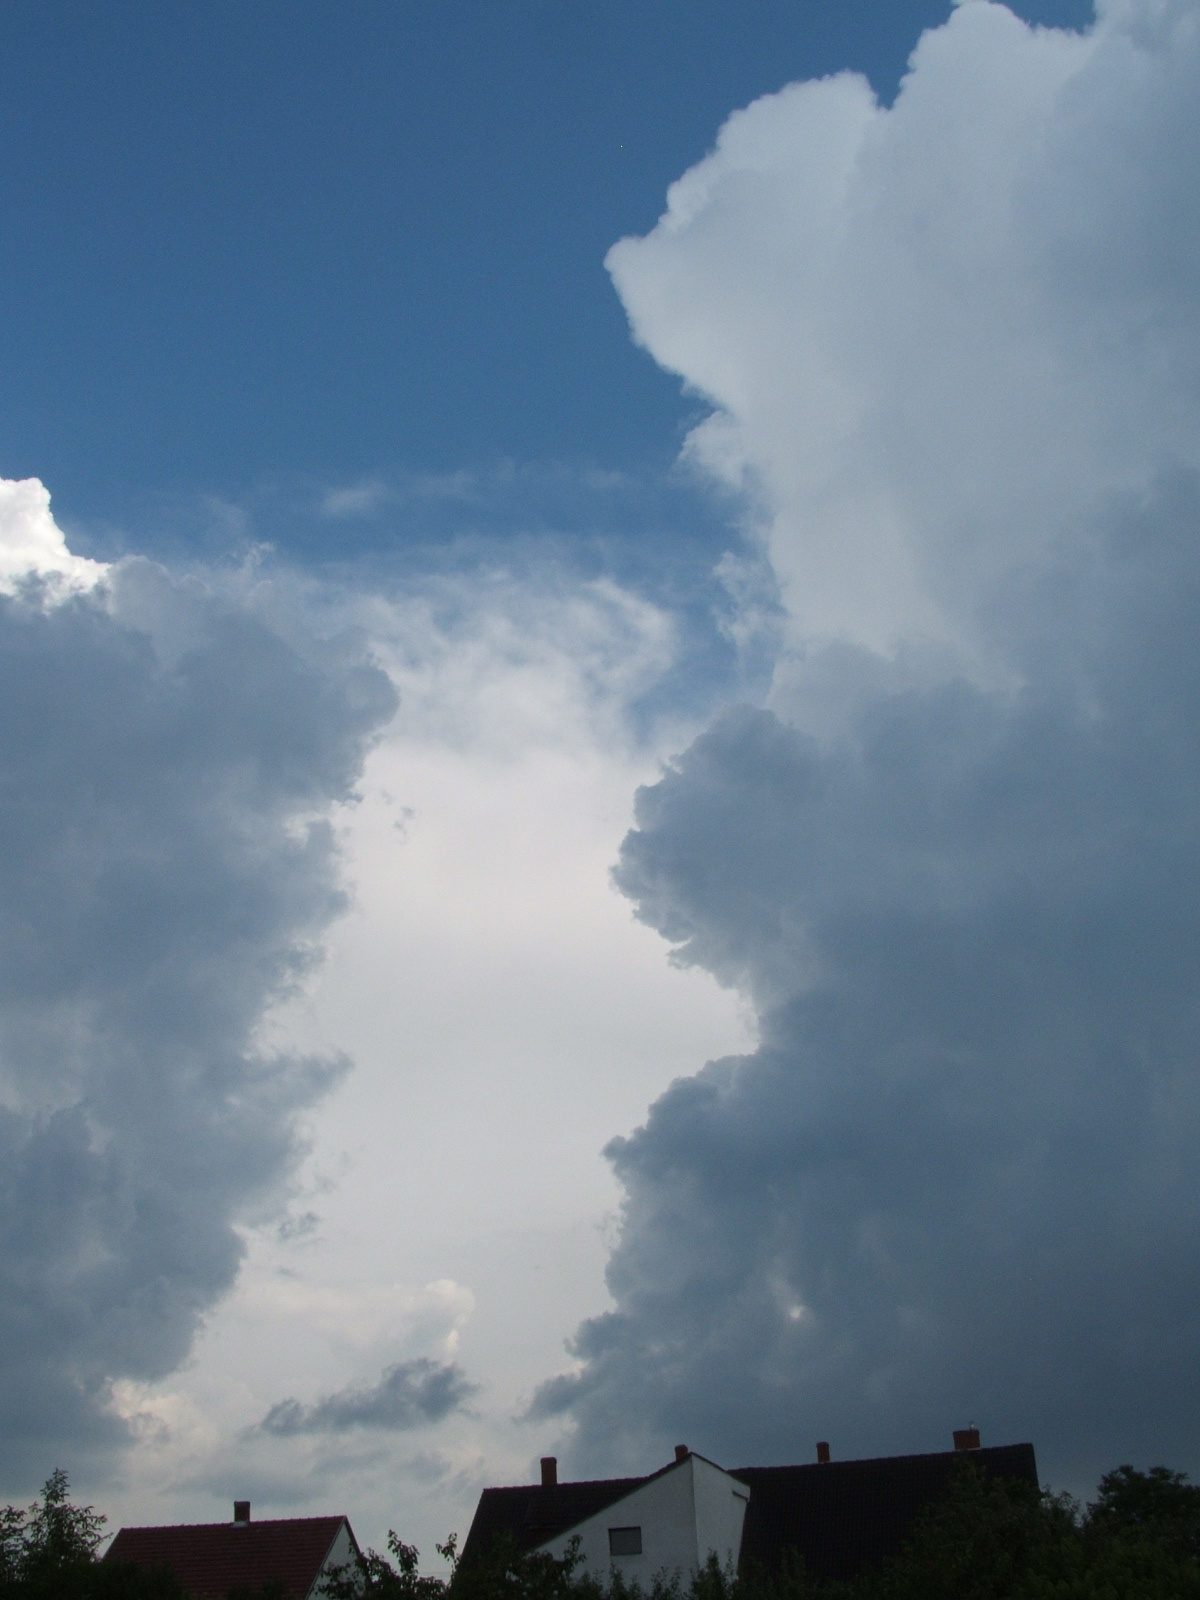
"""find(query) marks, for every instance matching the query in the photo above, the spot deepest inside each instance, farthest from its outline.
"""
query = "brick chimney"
(549, 1472)
(822, 1450)
(682, 1452)
(241, 1511)
(966, 1438)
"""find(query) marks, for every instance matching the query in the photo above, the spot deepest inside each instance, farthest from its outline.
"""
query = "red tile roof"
(209, 1558)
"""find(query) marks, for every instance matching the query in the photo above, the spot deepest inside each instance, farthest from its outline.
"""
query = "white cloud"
(934, 333)
(33, 546)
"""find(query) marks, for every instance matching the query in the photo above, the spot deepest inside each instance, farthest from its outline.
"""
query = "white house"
(671, 1523)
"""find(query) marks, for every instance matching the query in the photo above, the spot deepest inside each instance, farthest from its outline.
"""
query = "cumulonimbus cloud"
(410, 1394)
(168, 869)
(952, 352)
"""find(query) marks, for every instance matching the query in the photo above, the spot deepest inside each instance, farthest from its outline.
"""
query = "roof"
(532, 1514)
(208, 1558)
(846, 1515)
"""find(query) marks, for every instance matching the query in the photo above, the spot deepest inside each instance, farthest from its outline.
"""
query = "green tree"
(791, 1580)
(51, 1547)
(395, 1579)
(980, 1541)
(1140, 1538)
(49, 1552)
(506, 1573)
(1159, 1505)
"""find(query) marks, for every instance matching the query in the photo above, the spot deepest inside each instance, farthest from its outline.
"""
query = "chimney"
(682, 1452)
(549, 1472)
(822, 1450)
(966, 1438)
(241, 1511)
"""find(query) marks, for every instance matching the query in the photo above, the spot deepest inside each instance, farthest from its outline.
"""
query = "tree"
(50, 1547)
(49, 1552)
(1141, 1536)
(1159, 1504)
(374, 1574)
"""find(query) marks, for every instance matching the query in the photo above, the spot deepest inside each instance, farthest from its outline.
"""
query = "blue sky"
(597, 626)
(252, 243)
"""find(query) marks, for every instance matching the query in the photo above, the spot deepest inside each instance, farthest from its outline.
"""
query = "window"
(624, 1541)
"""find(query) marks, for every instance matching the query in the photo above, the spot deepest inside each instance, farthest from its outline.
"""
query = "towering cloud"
(169, 760)
(951, 349)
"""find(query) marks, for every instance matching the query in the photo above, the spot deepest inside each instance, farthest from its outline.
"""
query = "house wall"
(720, 1511)
(683, 1513)
(341, 1552)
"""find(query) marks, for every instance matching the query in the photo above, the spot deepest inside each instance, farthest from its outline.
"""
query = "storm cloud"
(953, 861)
(170, 757)
(408, 1395)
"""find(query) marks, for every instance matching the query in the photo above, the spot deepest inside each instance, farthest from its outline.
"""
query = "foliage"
(978, 1542)
(48, 1552)
(998, 1539)
(374, 1574)
(506, 1573)
(1158, 1505)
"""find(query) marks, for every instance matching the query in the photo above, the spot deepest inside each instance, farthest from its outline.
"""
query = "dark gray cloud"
(954, 865)
(167, 868)
(409, 1395)
(958, 1179)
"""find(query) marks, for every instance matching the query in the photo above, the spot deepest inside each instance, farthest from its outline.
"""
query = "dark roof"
(532, 1514)
(209, 1558)
(846, 1515)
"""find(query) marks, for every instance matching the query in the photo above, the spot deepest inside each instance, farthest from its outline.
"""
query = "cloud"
(410, 1394)
(512, 760)
(170, 756)
(32, 545)
(928, 331)
(359, 500)
(952, 353)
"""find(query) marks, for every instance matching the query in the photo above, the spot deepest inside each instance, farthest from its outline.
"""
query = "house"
(211, 1558)
(668, 1521)
(841, 1516)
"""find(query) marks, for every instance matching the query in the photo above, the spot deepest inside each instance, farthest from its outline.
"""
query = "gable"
(660, 1509)
(531, 1514)
(668, 1523)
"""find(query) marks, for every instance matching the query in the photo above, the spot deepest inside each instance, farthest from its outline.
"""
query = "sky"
(597, 617)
